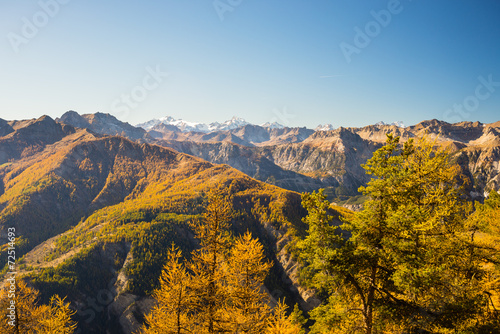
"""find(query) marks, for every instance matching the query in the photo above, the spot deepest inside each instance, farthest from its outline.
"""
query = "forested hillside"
(416, 259)
(96, 213)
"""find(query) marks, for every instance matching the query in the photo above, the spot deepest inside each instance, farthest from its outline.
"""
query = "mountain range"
(233, 123)
(301, 159)
(185, 126)
(96, 202)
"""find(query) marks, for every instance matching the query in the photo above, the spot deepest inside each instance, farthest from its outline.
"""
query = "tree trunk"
(369, 302)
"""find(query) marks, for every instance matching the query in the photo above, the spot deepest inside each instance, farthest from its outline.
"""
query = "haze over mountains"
(233, 123)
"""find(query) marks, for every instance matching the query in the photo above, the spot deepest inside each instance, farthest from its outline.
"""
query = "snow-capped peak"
(186, 126)
(324, 127)
(233, 123)
(399, 124)
(273, 125)
(167, 119)
(149, 124)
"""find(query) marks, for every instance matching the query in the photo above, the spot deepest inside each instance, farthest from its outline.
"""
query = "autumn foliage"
(220, 290)
(29, 317)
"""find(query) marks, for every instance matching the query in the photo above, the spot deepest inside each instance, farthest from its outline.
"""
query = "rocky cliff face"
(259, 163)
(324, 159)
(480, 161)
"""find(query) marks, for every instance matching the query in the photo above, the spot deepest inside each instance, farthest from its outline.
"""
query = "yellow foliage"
(280, 323)
(21, 314)
(175, 299)
(221, 290)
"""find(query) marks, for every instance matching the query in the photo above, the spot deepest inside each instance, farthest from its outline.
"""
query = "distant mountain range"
(233, 123)
(185, 126)
(399, 124)
(301, 159)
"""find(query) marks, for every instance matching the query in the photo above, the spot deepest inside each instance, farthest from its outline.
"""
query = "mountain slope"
(24, 138)
(255, 162)
(98, 213)
(78, 171)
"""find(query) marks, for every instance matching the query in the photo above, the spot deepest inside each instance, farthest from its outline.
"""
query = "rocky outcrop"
(126, 306)
(256, 162)
(324, 159)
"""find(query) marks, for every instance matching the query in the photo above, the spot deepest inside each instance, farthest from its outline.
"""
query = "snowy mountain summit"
(273, 125)
(324, 127)
(399, 124)
(186, 126)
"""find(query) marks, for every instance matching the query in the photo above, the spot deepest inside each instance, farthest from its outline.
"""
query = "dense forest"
(420, 257)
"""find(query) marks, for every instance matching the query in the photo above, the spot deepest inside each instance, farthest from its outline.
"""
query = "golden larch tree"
(175, 299)
(27, 317)
(246, 270)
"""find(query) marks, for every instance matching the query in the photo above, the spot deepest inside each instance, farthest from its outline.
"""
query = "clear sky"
(298, 62)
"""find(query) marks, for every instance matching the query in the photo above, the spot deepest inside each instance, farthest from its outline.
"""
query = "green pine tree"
(402, 264)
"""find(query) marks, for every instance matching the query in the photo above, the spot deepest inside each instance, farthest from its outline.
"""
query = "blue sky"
(298, 62)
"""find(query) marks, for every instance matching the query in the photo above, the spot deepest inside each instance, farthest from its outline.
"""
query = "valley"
(96, 202)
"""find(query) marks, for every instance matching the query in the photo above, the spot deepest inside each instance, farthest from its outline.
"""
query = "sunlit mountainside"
(76, 196)
(97, 203)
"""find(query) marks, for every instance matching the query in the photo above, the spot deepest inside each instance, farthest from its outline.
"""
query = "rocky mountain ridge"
(302, 159)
